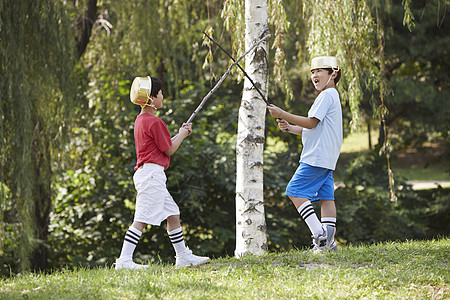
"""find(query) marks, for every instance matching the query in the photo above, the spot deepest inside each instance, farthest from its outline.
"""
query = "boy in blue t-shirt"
(322, 139)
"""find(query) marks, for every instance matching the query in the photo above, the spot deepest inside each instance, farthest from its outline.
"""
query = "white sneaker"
(186, 259)
(127, 263)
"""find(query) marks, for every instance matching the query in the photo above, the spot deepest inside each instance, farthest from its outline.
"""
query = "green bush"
(366, 214)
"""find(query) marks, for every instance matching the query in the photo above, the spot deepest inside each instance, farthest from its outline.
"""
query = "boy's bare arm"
(184, 131)
(286, 127)
(304, 122)
(294, 129)
(176, 142)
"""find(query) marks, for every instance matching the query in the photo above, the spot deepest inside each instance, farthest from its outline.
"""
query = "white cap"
(325, 62)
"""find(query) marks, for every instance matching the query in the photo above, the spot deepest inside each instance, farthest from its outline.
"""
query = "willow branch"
(223, 78)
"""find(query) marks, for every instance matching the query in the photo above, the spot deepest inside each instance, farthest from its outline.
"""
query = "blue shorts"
(312, 183)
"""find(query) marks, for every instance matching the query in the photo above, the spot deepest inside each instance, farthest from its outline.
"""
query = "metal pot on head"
(141, 90)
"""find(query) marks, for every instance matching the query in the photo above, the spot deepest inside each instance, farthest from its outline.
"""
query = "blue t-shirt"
(322, 144)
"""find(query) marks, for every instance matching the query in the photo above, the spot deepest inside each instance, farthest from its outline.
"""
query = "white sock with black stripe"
(329, 221)
(130, 242)
(306, 211)
(177, 240)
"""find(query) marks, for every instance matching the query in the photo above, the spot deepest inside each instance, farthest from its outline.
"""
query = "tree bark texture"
(42, 196)
(250, 220)
(84, 26)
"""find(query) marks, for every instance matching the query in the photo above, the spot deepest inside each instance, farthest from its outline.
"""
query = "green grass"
(426, 174)
(359, 141)
(392, 270)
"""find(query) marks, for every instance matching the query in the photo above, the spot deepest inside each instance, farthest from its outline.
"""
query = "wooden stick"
(239, 66)
(223, 78)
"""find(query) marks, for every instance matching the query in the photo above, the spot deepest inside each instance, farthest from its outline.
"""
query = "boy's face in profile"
(321, 79)
(158, 100)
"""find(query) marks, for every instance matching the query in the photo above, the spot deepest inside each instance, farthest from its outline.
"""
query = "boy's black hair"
(338, 75)
(156, 86)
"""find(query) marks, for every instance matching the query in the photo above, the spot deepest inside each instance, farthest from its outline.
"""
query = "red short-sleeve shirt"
(152, 138)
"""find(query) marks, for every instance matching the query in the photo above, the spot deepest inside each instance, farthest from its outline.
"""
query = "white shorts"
(153, 201)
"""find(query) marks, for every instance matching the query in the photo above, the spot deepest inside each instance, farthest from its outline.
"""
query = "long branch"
(223, 78)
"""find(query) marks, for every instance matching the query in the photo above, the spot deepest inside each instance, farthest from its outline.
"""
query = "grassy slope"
(409, 270)
(410, 164)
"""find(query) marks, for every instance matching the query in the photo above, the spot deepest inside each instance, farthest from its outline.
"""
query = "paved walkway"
(416, 185)
(428, 184)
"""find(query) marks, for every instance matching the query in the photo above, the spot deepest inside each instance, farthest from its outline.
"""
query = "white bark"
(250, 219)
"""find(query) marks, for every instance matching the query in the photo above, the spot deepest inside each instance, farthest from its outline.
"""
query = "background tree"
(38, 94)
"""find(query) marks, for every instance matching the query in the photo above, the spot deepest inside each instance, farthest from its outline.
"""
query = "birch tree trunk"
(250, 220)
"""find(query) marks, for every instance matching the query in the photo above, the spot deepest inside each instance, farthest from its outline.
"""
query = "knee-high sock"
(329, 221)
(130, 242)
(306, 211)
(177, 240)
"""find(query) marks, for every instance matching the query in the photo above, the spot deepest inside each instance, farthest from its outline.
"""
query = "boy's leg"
(328, 212)
(173, 222)
(328, 209)
(184, 256)
(131, 240)
(306, 211)
(125, 261)
(176, 234)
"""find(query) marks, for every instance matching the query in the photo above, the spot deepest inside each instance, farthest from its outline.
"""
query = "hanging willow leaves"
(37, 90)
(347, 30)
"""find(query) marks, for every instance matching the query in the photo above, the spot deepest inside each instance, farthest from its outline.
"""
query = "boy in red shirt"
(154, 204)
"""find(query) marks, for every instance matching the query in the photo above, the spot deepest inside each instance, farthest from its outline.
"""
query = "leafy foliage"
(416, 64)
